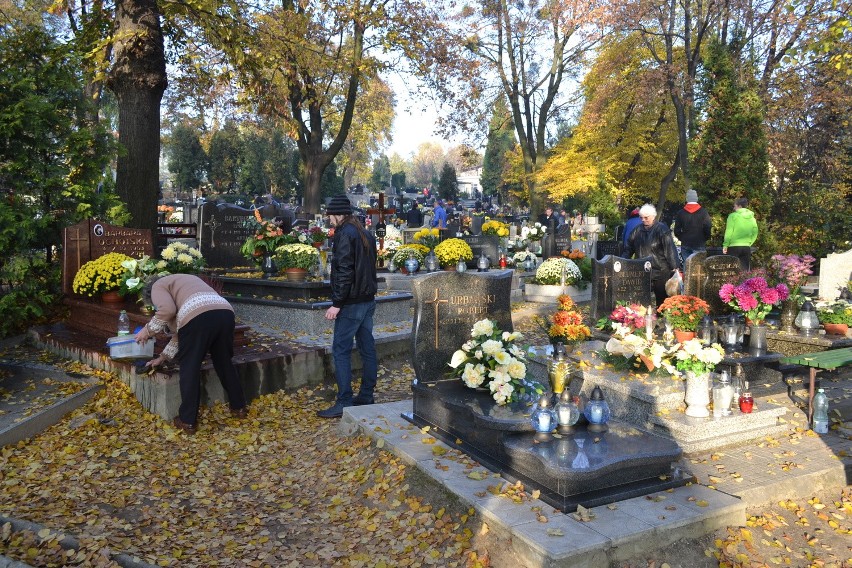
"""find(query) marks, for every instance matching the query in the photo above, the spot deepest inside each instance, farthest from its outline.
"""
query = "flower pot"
(835, 328)
(112, 297)
(296, 274)
(683, 336)
(697, 395)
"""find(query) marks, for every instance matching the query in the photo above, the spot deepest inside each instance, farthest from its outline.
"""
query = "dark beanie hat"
(339, 205)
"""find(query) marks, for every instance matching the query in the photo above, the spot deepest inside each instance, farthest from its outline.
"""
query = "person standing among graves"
(202, 322)
(740, 233)
(653, 238)
(353, 303)
(632, 222)
(439, 219)
(414, 217)
(692, 226)
(547, 217)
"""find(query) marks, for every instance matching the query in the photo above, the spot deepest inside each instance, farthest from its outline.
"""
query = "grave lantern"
(807, 320)
(567, 413)
(543, 418)
(483, 264)
(461, 266)
(431, 262)
(597, 411)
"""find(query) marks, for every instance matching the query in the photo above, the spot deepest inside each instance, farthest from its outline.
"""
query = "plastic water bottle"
(820, 425)
(123, 323)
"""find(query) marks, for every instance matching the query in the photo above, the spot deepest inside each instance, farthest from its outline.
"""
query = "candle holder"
(543, 419)
(567, 413)
(597, 411)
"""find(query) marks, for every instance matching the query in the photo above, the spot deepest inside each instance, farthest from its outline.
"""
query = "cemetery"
(418, 284)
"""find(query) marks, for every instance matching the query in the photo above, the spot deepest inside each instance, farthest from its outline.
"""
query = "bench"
(827, 360)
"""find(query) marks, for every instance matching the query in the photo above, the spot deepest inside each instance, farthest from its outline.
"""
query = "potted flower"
(428, 237)
(632, 316)
(793, 270)
(296, 259)
(835, 316)
(451, 251)
(403, 251)
(684, 314)
(695, 360)
(565, 326)
(551, 272)
(754, 298)
(267, 237)
(491, 360)
(100, 277)
(179, 258)
(496, 228)
(318, 236)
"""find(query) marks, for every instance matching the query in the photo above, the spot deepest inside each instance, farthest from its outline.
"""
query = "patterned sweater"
(178, 298)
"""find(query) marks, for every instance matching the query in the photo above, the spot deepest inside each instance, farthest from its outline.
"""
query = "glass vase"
(757, 339)
(789, 309)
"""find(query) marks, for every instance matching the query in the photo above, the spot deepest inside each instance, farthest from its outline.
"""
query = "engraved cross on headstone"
(436, 302)
(698, 270)
(213, 224)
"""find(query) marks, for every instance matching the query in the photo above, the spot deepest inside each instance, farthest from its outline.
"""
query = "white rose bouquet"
(533, 232)
(491, 359)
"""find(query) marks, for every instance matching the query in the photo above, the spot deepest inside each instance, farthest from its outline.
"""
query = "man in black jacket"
(654, 239)
(414, 217)
(692, 226)
(353, 303)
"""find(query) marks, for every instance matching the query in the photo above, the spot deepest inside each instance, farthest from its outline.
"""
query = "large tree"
(531, 49)
(501, 139)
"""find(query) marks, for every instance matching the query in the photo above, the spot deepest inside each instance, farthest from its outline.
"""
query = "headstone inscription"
(835, 271)
(447, 304)
(479, 244)
(563, 243)
(721, 269)
(91, 239)
(616, 279)
(223, 230)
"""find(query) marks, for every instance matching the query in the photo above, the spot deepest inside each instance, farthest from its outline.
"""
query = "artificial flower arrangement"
(684, 313)
(317, 234)
(633, 316)
(451, 251)
(497, 228)
(516, 244)
(428, 237)
(565, 326)
(388, 251)
(693, 356)
(520, 257)
(393, 234)
(836, 311)
(550, 271)
(179, 258)
(401, 255)
(136, 272)
(792, 270)
(100, 275)
(533, 232)
(268, 236)
(491, 359)
(296, 255)
(676, 359)
(754, 297)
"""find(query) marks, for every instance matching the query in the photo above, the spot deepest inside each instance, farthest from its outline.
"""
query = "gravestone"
(721, 269)
(447, 304)
(476, 224)
(91, 239)
(616, 279)
(835, 270)
(483, 243)
(605, 248)
(223, 231)
(563, 243)
(695, 275)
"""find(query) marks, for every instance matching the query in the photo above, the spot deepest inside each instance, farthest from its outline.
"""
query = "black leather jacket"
(657, 243)
(353, 267)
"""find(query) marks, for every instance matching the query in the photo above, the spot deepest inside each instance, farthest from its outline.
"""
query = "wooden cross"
(380, 211)
(75, 238)
(213, 224)
(437, 303)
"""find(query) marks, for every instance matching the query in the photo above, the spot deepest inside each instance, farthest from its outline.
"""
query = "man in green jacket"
(740, 233)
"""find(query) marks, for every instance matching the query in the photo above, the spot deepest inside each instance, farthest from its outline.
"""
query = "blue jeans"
(354, 321)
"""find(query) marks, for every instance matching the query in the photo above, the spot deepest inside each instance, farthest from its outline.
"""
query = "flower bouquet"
(178, 258)
(632, 316)
(428, 237)
(401, 254)
(100, 275)
(627, 345)
(268, 236)
(317, 235)
(451, 251)
(520, 257)
(754, 297)
(296, 255)
(497, 228)
(491, 359)
(551, 270)
(792, 270)
(533, 232)
(684, 313)
(566, 325)
(136, 272)
(695, 357)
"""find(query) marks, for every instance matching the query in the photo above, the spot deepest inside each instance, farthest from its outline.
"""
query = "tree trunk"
(138, 80)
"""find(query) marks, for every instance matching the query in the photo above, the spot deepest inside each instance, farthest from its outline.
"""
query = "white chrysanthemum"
(550, 271)
(162, 265)
(169, 253)
(472, 377)
(492, 347)
(458, 358)
(483, 327)
(184, 258)
(516, 369)
(178, 246)
(503, 358)
(194, 252)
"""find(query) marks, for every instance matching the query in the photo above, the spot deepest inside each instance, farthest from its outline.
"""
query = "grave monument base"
(582, 468)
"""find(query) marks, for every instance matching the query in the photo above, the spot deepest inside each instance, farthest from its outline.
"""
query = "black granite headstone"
(476, 224)
(483, 243)
(446, 305)
(223, 231)
(616, 279)
(605, 248)
(563, 243)
(720, 270)
(695, 275)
